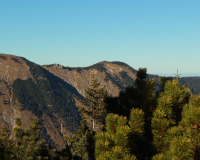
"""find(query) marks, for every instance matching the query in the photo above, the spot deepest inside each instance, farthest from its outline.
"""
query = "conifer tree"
(27, 145)
(118, 141)
(65, 153)
(169, 138)
(113, 144)
(191, 126)
(139, 96)
(162, 81)
(95, 103)
(6, 144)
(82, 144)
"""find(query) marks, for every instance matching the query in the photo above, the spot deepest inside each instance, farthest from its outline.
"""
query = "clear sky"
(161, 35)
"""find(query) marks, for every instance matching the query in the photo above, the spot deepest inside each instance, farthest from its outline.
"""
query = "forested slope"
(29, 88)
(193, 83)
(52, 92)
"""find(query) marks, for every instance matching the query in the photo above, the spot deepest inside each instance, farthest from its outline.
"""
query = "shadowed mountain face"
(29, 88)
(193, 83)
(51, 92)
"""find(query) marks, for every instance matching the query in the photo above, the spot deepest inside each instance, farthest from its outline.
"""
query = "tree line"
(141, 124)
(138, 124)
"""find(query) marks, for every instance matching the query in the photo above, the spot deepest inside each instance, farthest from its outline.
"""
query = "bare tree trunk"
(93, 123)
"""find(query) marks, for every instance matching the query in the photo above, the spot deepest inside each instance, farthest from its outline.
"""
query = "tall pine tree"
(95, 108)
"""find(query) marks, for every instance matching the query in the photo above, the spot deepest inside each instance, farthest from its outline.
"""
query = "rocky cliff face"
(11, 68)
(29, 91)
(114, 76)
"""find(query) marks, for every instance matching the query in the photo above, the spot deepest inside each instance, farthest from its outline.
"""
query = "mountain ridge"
(28, 87)
(52, 93)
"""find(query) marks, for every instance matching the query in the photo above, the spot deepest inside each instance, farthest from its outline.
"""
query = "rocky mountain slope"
(52, 92)
(27, 90)
(114, 76)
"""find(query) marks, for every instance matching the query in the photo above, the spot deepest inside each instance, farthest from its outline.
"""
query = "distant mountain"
(114, 76)
(193, 83)
(28, 90)
(52, 92)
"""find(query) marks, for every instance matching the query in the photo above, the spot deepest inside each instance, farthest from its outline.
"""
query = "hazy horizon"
(182, 75)
(158, 35)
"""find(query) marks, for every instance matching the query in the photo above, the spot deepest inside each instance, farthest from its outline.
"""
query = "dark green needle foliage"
(171, 123)
(6, 144)
(94, 102)
(141, 96)
(118, 141)
(25, 145)
(26, 142)
(82, 144)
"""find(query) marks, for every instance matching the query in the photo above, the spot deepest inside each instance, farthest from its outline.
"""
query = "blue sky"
(161, 35)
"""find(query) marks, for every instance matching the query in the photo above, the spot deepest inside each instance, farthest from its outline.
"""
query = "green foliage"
(192, 82)
(141, 76)
(160, 124)
(141, 96)
(95, 102)
(114, 143)
(163, 80)
(173, 114)
(65, 153)
(122, 105)
(26, 142)
(172, 100)
(136, 121)
(113, 121)
(26, 145)
(191, 124)
(147, 100)
(164, 126)
(5, 144)
(175, 123)
(18, 121)
(117, 142)
(82, 145)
